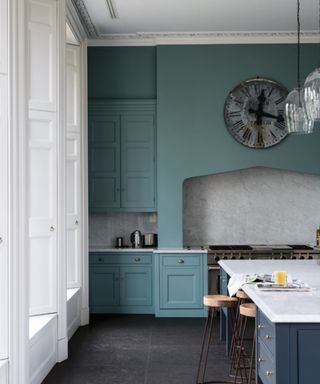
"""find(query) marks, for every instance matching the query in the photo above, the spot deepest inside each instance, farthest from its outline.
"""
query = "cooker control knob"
(241, 257)
(301, 257)
(233, 257)
(293, 257)
(282, 257)
(217, 258)
(310, 257)
(225, 258)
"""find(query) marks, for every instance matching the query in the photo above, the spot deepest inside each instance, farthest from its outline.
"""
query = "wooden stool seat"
(219, 301)
(248, 309)
(241, 294)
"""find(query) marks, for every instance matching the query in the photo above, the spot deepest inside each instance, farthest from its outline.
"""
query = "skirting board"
(4, 378)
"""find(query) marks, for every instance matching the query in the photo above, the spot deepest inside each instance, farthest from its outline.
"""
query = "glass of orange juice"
(280, 277)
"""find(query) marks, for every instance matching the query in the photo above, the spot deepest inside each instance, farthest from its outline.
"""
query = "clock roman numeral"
(239, 125)
(273, 134)
(239, 101)
(246, 135)
(271, 90)
(260, 140)
(234, 113)
(280, 100)
(245, 91)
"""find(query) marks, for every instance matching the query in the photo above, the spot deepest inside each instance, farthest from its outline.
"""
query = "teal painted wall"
(122, 72)
(192, 84)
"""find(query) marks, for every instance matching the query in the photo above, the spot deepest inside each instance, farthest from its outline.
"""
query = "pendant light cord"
(319, 25)
(298, 44)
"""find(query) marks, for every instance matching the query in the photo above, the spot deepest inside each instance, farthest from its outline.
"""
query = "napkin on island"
(237, 280)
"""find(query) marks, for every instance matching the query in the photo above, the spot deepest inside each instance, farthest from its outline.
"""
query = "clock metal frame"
(254, 113)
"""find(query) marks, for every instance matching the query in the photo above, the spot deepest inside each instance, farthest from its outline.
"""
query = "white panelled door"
(4, 272)
(73, 166)
(42, 164)
(42, 192)
(4, 203)
(3, 36)
(42, 47)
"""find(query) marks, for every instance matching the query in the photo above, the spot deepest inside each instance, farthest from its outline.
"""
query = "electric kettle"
(136, 239)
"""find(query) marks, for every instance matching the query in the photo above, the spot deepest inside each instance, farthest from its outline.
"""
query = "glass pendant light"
(312, 91)
(297, 120)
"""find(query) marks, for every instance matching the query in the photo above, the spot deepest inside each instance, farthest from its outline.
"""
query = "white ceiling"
(187, 16)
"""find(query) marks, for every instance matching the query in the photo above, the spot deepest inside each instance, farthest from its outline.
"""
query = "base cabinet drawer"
(266, 364)
(266, 331)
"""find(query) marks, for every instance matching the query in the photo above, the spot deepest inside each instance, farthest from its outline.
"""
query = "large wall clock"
(254, 113)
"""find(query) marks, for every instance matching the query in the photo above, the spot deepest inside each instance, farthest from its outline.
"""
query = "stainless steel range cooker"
(254, 252)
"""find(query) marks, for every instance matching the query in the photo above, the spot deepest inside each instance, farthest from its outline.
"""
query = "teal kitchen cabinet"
(121, 282)
(122, 156)
(181, 282)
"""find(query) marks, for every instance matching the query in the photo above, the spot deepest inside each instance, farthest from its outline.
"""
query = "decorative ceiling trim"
(183, 38)
(111, 5)
(85, 18)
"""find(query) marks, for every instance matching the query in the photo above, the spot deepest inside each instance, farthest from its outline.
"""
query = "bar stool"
(213, 302)
(235, 341)
(246, 310)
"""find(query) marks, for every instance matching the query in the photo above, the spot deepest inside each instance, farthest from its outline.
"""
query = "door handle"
(76, 222)
(51, 228)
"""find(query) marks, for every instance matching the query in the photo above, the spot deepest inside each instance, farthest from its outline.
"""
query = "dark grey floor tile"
(139, 350)
(97, 375)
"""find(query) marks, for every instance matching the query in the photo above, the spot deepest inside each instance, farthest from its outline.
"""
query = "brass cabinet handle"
(76, 222)
(269, 373)
(52, 228)
(137, 259)
(268, 337)
(260, 359)
(260, 326)
(180, 261)
(100, 259)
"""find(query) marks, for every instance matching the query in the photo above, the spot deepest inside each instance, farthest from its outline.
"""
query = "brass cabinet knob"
(268, 337)
(260, 359)
(269, 373)
(1, 241)
(76, 222)
(100, 259)
(52, 228)
(260, 326)
(180, 261)
(137, 259)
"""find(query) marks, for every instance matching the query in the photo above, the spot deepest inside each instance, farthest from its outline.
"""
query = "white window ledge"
(71, 292)
(37, 323)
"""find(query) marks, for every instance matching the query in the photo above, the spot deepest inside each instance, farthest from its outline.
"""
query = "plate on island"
(288, 287)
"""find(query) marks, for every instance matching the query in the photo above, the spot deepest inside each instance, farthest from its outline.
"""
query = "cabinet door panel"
(136, 285)
(180, 288)
(138, 166)
(104, 161)
(104, 286)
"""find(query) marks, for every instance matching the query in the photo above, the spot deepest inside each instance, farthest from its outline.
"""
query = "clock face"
(254, 113)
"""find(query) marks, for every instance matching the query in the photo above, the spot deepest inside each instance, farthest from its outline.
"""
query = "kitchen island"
(287, 323)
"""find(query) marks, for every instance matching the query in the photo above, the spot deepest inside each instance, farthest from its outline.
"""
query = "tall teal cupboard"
(122, 155)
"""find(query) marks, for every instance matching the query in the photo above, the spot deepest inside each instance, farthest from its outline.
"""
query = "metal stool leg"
(205, 347)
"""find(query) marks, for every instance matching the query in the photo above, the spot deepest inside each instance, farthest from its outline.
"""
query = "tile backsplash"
(105, 227)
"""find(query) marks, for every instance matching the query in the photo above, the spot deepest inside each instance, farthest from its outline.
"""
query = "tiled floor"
(138, 350)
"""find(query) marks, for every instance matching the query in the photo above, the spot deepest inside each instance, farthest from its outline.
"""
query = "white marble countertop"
(115, 250)
(282, 307)
(179, 250)
(152, 250)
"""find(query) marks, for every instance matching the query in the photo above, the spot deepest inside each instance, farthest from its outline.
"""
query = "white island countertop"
(282, 307)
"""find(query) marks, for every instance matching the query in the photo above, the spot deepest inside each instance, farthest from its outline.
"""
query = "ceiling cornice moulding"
(85, 18)
(184, 38)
